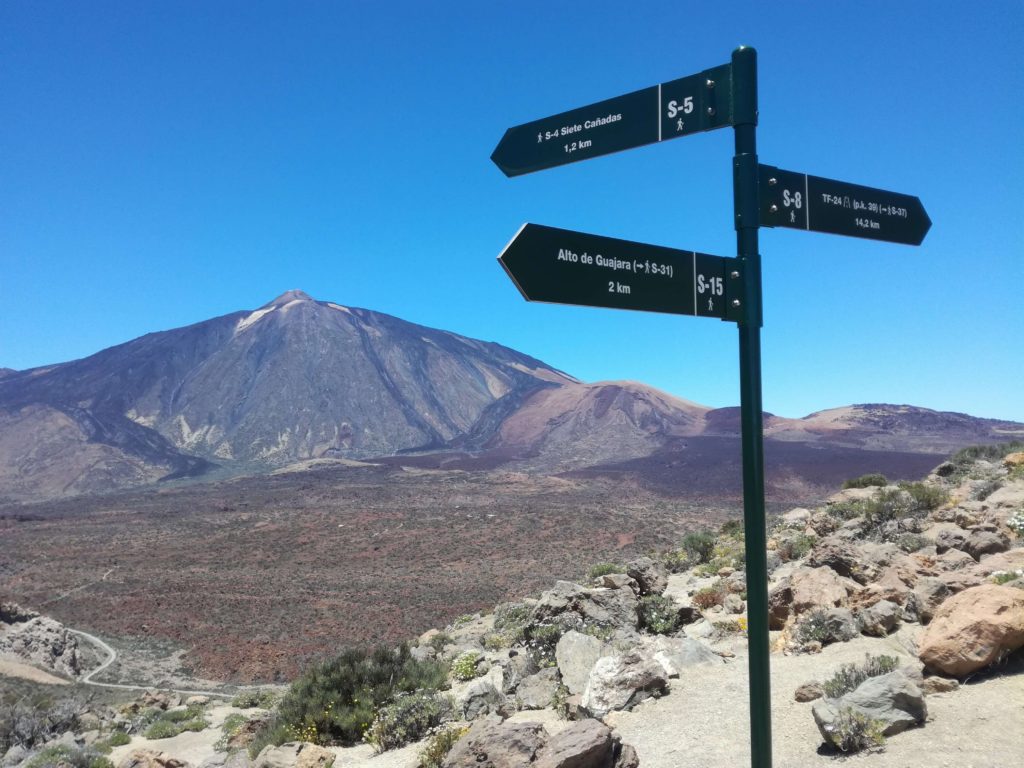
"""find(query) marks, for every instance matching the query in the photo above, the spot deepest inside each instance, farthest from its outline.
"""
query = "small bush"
(68, 757)
(465, 619)
(794, 547)
(162, 729)
(732, 529)
(997, 452)
(658, 614)
(510, 620)
(541, 641)
(912, 542)
(465, 666)
(254, 699)
(854, 731)
(850, 676)
(603, 569)
(847, 510)
(813, 627)
(699, 545)
(1005, 577)
(870, 480)
(409, 718)
(677, 560)
(710, 596)
(118, 739)
(1016, 523)
(335, 701)
(440, 640)
(439, 745)
(926, 498)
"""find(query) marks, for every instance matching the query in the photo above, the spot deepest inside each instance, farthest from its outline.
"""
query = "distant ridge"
(300, 379)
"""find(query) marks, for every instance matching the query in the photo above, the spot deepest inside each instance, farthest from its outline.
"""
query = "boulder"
(480, 697)
(675, 654)
(538, 690)
(576, 654)
(38, 640)
(245, 734)
(497, 745)
(880, 619)
(620, 682)
(951, 537)
(985, 542)
(928, 594)
(575, 606)
(584, 744)
(734, 604)
(892, 699)
(844, 557)
(797, 517)
(149, 758)
(804, 589)
(974, 628)
(650, 575)
(809, 692)
(14, 755)
(515, 667)
(840, 625)
(618, 581)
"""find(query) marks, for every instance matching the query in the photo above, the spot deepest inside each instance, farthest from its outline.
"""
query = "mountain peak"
(287, 297)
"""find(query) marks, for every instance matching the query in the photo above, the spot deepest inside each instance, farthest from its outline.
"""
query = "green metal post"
(746, 204)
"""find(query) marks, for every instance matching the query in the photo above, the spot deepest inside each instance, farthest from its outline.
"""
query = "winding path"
(112, 657)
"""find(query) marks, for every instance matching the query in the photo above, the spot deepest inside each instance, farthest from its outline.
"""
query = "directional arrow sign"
(559, 266)
(801, 201)
(688, 105)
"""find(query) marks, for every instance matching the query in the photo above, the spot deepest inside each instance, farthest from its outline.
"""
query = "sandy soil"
(193, 747)
(11, 668)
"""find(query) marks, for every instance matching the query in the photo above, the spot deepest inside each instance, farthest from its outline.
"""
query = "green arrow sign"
(559, 266)
(688, 105)
(801, 201)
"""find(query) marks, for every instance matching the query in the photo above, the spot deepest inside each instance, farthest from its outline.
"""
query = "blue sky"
(166, 162)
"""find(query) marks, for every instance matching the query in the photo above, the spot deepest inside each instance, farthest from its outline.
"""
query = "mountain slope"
(293, 380)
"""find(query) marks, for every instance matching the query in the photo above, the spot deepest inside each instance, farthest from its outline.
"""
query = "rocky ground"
(897, 617)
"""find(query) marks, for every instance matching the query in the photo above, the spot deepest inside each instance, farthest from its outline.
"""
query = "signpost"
(688, 105)
(800, 201)
(560, 266)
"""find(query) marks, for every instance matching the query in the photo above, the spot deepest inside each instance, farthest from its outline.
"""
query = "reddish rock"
(974, 628)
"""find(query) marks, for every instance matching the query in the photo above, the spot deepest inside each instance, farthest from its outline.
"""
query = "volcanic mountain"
(300, 379)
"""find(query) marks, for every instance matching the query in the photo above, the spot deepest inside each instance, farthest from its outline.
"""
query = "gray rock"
(880, 619)
(480, 698)
(840, 625)
(618, 581)
(620, 682)
(14, 755)
(951, 537)
(423, 652)
(538, 690)
(678, 653)
(497, 745)
(515, 667)
(650, 575)
(892, 699)
(734, 604)
(584, 744)
(928, 594)
(576, 655)
(982, 542)
(39, 641)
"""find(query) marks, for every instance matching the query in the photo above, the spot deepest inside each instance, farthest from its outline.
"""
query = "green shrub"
(440, 640)
(541, 640)
(464, 620)
(439, 745)
(603, 569)
(926, 498)
(853, 731)
(912, 542)
(996, 452)
(69, 757)
(1016, 523)
(676, 560)
(409, 718)
(182, 715)
(253, 699)
(1005, 577)
(162, 729)
(118, 739)
(510, 620)
(850, 676)
(794, 547)
(848, 509)
(871, 480)
(658, 614)
(699, 545)
(813, 627)
(231, 725)
(335, 701)
(732, 529)
(465, 666)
